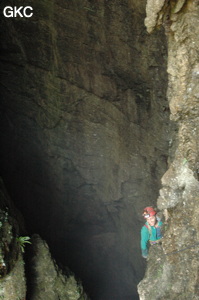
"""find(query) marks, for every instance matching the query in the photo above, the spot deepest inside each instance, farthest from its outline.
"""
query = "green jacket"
(153, 235)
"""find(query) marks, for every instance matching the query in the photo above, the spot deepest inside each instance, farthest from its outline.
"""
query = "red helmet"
(149, 212)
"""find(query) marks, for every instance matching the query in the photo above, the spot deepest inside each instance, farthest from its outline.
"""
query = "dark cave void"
(84, 134)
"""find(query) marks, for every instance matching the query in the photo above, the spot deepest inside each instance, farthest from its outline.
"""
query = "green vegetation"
(22, 240)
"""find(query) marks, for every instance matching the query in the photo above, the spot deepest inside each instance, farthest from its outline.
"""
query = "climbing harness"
(173, 252)
(152, 243)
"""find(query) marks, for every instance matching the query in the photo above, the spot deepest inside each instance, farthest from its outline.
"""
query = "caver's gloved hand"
(144, 253)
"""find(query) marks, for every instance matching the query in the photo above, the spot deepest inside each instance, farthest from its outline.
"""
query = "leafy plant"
(22, 240)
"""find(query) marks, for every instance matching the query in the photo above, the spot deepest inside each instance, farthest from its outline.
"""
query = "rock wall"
(45, 280)
(85, 132)
(12, 271)
(174, 267)
(27, 270)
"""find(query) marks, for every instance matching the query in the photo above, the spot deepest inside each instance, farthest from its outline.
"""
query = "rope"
(182, 249)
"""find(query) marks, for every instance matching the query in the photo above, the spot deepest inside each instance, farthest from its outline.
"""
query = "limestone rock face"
(12, 272)
(43, 279)
(174, 267)
(85, 133)
(46, 281)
